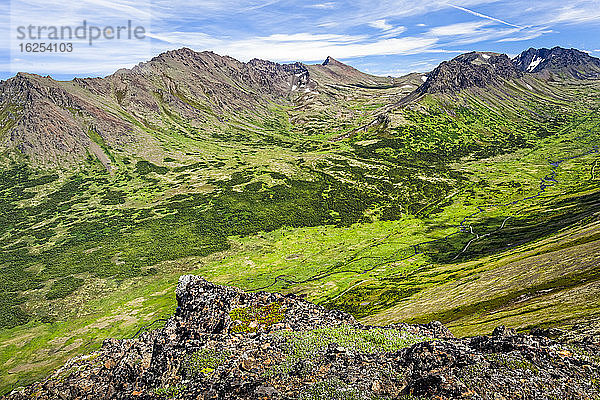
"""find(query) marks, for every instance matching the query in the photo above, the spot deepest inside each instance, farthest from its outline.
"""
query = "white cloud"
(322, 6)
(389, 30)
(309, 37)
(527, 35)
(381, 24)
(330, 24)
(474, 32)
(282, 30)
(462, 28)
(574, 14)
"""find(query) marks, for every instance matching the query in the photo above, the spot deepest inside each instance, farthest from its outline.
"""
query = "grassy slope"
(342, 221)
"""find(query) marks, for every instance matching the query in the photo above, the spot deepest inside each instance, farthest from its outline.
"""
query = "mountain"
(332, 71)
(560, 62)
(57, 122)
(226, 343)
(475, 69)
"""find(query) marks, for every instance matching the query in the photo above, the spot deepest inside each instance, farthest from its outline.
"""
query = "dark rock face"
(331, 61)
(566, 63)
(223, 343)
(473, 69)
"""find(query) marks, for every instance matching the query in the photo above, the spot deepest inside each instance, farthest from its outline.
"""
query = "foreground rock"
(223, 343)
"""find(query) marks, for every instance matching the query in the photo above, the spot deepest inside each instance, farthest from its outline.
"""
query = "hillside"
(468, 195)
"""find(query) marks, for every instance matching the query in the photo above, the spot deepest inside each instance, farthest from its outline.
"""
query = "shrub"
(64, 287)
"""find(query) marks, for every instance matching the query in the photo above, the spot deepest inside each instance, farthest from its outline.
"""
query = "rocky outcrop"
(559, 62)
(473, 69)
(223, 343)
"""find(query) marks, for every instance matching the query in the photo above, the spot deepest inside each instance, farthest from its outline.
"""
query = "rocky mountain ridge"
(480, 69)
(58, 122)
(473, 69)
(223, 343)
(566, 63)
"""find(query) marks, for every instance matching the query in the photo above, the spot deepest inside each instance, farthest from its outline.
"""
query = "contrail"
(485, 16)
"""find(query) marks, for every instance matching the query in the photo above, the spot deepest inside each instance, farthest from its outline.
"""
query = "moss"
(144, 167)
(367, 300)
(335, 389)
(203, 362)
(305, 347)
(249, 319)
(120, 95)
(96, 138)
(12, 315)
(512, 362)
(9, 116)
(486, 306)
(168, 392)
(112, 197)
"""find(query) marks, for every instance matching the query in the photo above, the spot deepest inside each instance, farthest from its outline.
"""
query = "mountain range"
(54, 122)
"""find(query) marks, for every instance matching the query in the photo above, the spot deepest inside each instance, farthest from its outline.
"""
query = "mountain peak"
(570, 63)
(474, 69)
(331, 61)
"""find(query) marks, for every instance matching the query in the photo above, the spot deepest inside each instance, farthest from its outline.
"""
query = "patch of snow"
(294, 87)
(534, 63)
(423, 78)
(406, 86)
(486, 56)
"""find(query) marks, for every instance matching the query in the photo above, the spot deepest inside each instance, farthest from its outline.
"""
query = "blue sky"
(384, 37)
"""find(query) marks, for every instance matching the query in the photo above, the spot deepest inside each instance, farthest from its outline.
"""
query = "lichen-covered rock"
(223, 343)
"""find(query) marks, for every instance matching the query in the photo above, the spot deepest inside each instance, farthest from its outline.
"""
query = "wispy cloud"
(285, 30)
(462, 28)
(306, 47)
(389, 30)
(529, 34)
(576, 13)
(477, 14)
(464, 33)
(381, 24)
(322, 6)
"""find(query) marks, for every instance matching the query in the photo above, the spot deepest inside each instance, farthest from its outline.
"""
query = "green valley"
(475, 207)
